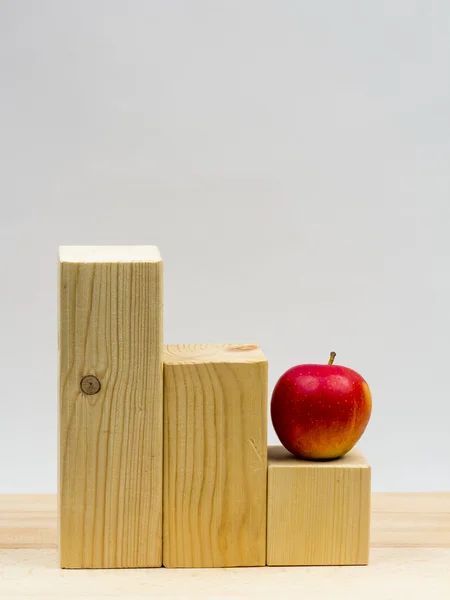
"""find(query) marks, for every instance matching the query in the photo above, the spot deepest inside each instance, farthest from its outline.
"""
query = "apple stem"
(332, 357)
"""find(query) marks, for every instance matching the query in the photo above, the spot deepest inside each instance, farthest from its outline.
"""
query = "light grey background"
(290, 159)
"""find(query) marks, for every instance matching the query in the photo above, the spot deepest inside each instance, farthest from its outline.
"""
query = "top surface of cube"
(280, 457)
(176, 354)
(109, 254)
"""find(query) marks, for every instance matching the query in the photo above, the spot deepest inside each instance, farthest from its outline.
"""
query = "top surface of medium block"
(109, 254)
(280, 457)
(192, 354)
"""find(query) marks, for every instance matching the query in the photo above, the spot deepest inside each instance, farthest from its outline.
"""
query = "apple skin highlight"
(320, 411)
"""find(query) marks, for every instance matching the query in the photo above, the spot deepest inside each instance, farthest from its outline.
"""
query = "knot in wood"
(90, 385)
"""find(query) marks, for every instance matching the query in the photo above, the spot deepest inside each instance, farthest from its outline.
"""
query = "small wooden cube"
(318, 512)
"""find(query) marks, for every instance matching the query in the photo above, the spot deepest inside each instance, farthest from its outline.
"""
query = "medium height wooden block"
(215, 455)
(110, 407)
(318, 513)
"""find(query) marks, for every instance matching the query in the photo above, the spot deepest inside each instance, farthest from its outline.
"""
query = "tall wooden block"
(215, 455)
(110, 407)
(318, 513)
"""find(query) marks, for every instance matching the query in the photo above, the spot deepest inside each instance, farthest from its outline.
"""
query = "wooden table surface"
(410, 558)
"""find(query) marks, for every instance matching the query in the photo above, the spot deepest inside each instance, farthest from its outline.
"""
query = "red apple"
(320, 411)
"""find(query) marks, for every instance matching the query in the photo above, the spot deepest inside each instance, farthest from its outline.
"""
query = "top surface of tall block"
(109, 254)
(178, 354)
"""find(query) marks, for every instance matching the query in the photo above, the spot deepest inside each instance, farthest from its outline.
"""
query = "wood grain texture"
(410, 520)
(419, 569)
(110, 444)
(215, 455)
(28, 521)
(393, 574)
(318, 512)
(399, 520)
